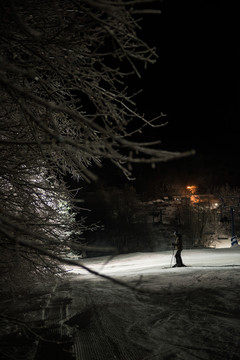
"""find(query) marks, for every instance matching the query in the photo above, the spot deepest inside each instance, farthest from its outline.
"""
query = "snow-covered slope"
(189, 313)
(158, 262)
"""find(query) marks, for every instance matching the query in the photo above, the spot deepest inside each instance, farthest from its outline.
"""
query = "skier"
(178, 245)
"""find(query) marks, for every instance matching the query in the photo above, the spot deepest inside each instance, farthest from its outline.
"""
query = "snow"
(189, 313)
(136, 264)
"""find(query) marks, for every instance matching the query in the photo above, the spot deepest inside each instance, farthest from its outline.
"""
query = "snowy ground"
(157, 263)
(179, 313)
(189, 313)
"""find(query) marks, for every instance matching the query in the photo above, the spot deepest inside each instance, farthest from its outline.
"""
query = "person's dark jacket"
(178, 243)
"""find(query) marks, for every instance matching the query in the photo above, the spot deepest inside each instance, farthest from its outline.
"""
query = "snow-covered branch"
(65, 104)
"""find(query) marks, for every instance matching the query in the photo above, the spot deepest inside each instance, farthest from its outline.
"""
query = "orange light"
(192, 189)
(194, 199)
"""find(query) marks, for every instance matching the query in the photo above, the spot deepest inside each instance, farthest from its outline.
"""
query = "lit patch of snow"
(158, 262)
(185, 313)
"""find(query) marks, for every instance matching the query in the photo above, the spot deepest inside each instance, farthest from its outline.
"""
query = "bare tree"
(65, 104)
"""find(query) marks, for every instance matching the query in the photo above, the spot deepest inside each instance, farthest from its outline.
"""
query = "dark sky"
(196, 83)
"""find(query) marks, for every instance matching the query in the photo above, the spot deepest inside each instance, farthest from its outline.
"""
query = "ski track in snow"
(190, 313)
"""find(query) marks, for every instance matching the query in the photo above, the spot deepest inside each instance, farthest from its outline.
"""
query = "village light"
(192, 188)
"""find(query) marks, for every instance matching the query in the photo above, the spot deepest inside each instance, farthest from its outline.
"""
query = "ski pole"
(172, 257)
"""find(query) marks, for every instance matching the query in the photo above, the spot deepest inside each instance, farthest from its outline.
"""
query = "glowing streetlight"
(192, 189)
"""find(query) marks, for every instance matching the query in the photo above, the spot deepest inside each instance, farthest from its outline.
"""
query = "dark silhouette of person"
(178, 244)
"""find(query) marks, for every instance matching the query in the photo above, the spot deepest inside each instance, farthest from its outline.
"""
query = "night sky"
(196, 83)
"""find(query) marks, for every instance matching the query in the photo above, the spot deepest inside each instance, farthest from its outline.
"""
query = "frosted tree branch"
(65, 104)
